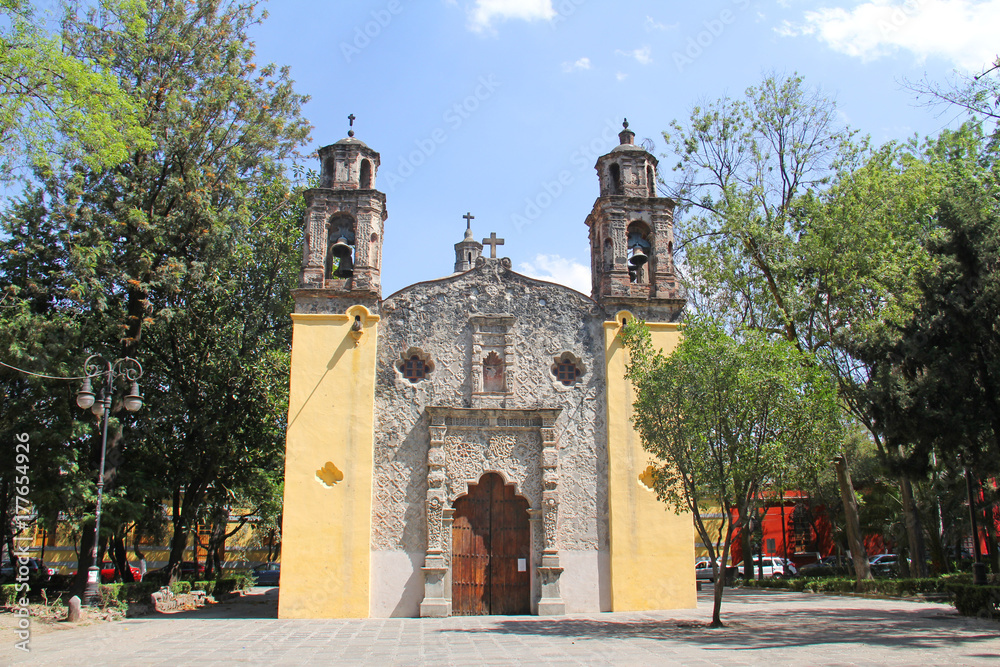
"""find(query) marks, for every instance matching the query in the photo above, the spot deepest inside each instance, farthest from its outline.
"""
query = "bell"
(340, 249)
(638, 257)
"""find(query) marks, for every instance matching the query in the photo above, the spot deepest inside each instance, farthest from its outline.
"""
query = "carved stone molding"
(521, 446)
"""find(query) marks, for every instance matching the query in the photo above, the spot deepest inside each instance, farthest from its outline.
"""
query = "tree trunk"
(858, 554)
(745, 539)
(914, 530)
(720, 578)
(120, 556)
(83, 561)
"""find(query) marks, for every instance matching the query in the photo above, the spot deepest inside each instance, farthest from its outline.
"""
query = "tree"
(56, 106)
(798, 229)
(936, 383)
(725, 418)
(181, 255)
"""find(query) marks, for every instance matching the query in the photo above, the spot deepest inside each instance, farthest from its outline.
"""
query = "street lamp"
(107, 372)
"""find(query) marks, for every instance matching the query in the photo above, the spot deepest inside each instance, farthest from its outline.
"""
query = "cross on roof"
(352, 118)
(468, 220)
(350, 132)
(493, 242)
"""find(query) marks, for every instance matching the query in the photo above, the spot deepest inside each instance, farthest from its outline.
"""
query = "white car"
(773, 567)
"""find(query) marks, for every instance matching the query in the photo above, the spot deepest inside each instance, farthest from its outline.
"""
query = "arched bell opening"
(615, 175)
(491, 544)
(365, 179)
(340, 249)
(640, 249)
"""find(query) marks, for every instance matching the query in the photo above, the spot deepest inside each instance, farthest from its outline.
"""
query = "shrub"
(891, 587)
(981, 601)
(180, 587)
(244, 582)
(209, 586)
(139, 591)
(111, 596)
(9, 594)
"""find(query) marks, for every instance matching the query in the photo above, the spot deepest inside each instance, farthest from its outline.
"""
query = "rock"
(74, 610)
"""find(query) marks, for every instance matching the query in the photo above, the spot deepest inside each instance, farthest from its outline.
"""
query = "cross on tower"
(493, 242)
(350, 132)
(468, 220)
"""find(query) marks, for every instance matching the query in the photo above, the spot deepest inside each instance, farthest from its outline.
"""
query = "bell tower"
(330, 437)
(468, 250)
(632, 236)
(344, 220)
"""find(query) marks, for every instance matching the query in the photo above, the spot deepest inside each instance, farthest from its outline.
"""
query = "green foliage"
(977, 601)
(726, 418)
(935, 383)
(56, 106)
(219, 587)
(9, 594)
(180, 587)
(112, 596)
(846, 585)
(181, 255)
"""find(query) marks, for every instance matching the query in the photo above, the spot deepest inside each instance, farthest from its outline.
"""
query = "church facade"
(463, 446)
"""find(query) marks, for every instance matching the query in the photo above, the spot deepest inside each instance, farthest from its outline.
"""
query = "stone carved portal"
(521, 447)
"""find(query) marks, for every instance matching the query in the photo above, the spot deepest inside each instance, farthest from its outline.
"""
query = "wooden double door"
(490, 551)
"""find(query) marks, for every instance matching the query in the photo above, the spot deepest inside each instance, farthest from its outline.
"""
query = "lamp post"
(97, 367)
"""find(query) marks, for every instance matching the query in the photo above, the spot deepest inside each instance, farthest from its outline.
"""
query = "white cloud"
(643, 56)
(960, 31)
(653, 24)
(485, 12)
(560, 270)
(582, 63)
(621, 76)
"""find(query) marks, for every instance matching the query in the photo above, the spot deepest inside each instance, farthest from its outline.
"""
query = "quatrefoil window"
(568, 369)
(414, 365)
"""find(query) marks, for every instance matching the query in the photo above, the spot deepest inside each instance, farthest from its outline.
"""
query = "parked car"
(887, 565)
(773, 567)
(267, 574)
(189, 570)
(703, 571)
(835, 564)
(37, 571)
(109, 573)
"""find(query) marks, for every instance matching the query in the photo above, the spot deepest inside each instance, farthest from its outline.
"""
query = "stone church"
(463, 446)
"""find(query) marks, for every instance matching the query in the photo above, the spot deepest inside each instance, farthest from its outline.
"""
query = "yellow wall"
(652, 548)
(328, 467)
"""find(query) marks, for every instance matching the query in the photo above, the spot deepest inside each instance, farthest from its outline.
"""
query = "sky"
(501, 107)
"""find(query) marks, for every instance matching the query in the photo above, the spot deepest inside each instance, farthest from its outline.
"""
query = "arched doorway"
(490, 551)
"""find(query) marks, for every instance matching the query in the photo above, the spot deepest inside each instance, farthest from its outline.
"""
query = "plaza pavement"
(764, 628)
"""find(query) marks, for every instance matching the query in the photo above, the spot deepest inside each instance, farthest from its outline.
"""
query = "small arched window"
(616, 179)
(366, 175)
(493, 374)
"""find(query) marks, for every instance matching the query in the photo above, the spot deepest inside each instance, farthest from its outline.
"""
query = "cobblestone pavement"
(773, 628)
